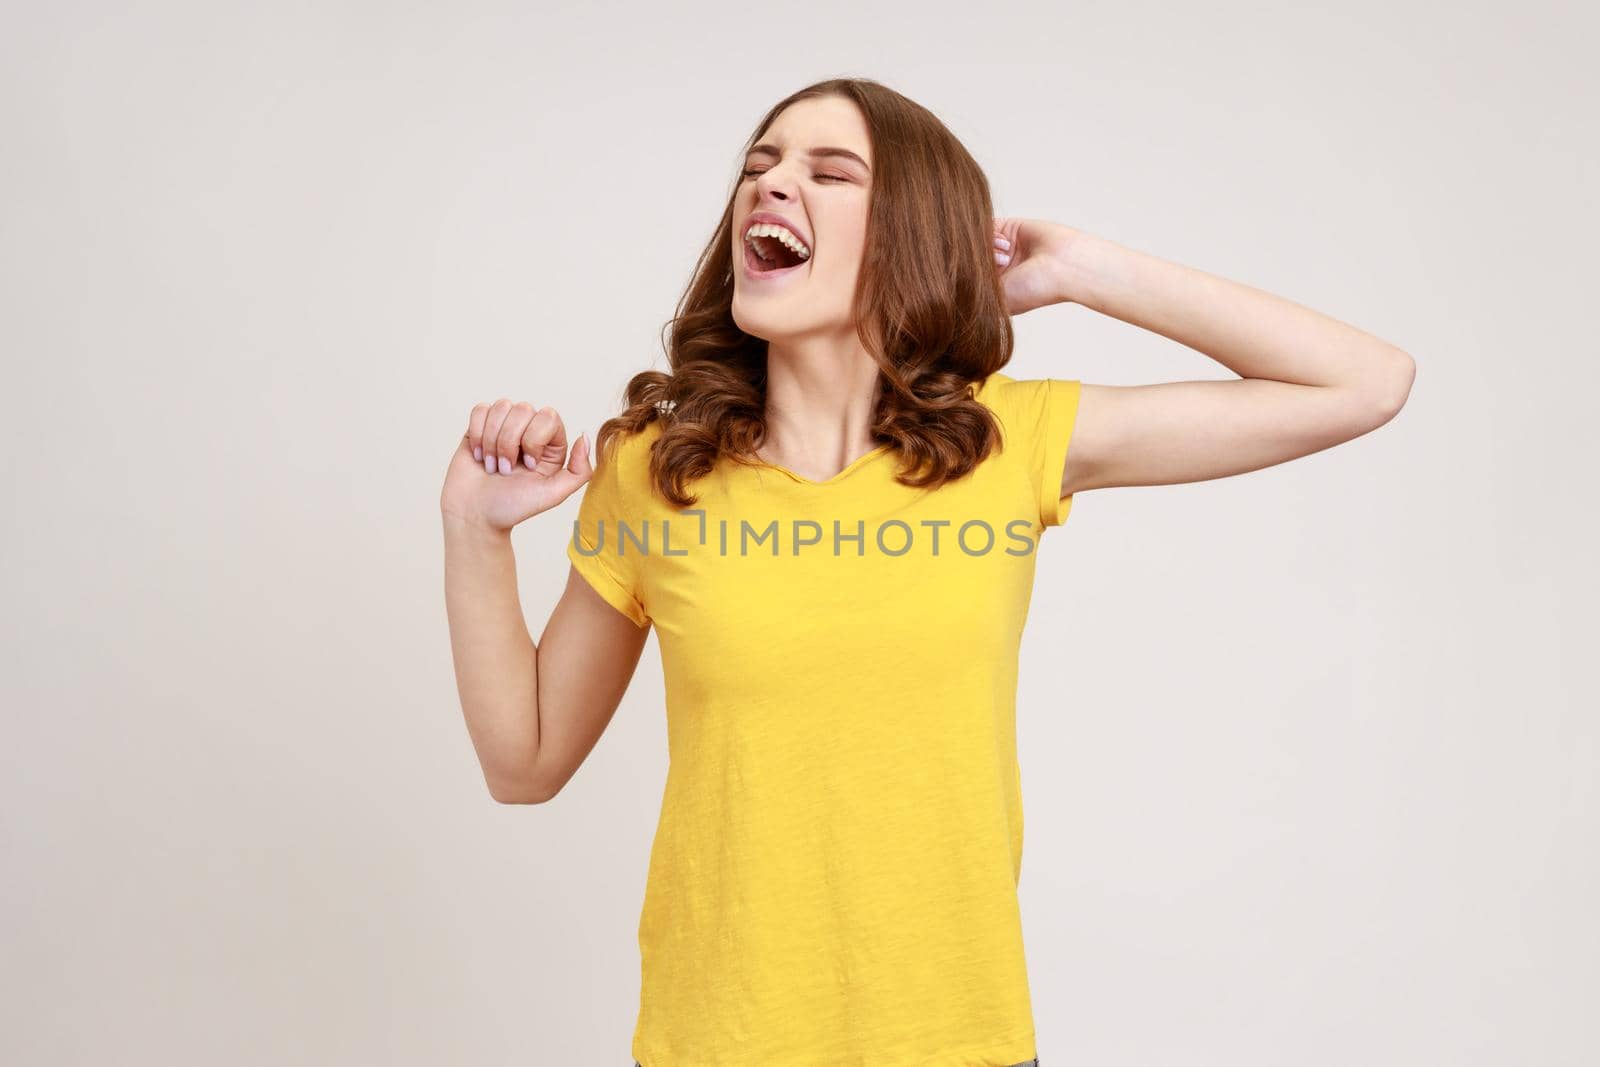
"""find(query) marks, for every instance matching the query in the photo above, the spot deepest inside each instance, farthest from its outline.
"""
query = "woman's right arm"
(534, 711)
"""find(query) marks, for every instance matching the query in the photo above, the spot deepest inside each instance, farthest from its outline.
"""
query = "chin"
(773, 323)
(761, 327)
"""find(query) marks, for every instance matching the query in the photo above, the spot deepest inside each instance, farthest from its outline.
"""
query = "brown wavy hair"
(928, 289)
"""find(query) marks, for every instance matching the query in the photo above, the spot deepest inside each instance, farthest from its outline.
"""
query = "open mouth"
(768, 257)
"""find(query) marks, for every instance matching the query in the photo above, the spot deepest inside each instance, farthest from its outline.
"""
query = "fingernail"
(527, 461)
(505, 465)
(488, 464)
(1001, 258)
(477, 453)
(1002, 242)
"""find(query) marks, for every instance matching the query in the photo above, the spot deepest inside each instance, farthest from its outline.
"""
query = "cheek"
(853, 250)
(844, 254)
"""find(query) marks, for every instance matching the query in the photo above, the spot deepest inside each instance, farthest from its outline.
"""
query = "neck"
(820, 399)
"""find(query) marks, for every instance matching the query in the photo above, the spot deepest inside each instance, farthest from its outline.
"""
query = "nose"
(769, 183)
(772, 195)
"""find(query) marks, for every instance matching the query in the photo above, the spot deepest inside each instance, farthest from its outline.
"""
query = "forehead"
(827, 120)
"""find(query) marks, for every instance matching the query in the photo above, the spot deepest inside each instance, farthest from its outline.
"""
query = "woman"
(828, 510)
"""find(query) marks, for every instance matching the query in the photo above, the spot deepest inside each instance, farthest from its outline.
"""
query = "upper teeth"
(781, 233)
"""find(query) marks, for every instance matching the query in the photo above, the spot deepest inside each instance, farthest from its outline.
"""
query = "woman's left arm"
(1306, 381)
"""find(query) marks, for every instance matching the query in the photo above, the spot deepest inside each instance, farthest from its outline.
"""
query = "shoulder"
(1025, 400)
(627, 452)
(994, 390)
(1018, 403)
(622, 470)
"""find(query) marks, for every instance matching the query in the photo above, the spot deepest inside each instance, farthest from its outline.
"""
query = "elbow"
(1389, 395)
(506, 794)
(519, 789)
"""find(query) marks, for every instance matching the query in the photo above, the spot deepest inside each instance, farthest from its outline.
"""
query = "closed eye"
(818, 177)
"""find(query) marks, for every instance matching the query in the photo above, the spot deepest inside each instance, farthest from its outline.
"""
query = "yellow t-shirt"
(833, 879)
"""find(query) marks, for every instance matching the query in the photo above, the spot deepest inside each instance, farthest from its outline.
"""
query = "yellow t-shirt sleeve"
(609, 560)
(1044, 412)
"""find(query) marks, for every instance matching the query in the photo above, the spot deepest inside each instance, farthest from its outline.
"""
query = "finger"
(491, 432)
(475, 421)
(507, 442)
(545, 442)
(581, 461)
(578, 470)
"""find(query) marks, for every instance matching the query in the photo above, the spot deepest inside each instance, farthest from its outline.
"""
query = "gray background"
(1309, 754)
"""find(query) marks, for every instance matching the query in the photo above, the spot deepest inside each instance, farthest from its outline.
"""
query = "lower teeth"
(767, 266)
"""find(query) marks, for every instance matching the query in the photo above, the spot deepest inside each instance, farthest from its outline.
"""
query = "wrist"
(1071, 254)
(472, 530)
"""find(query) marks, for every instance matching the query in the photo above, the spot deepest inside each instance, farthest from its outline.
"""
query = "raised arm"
(534, 711)
(1306, 381)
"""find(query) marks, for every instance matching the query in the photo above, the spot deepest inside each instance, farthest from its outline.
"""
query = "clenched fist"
(511, 464)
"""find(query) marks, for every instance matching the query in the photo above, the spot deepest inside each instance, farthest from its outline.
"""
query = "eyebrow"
(815, 153)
